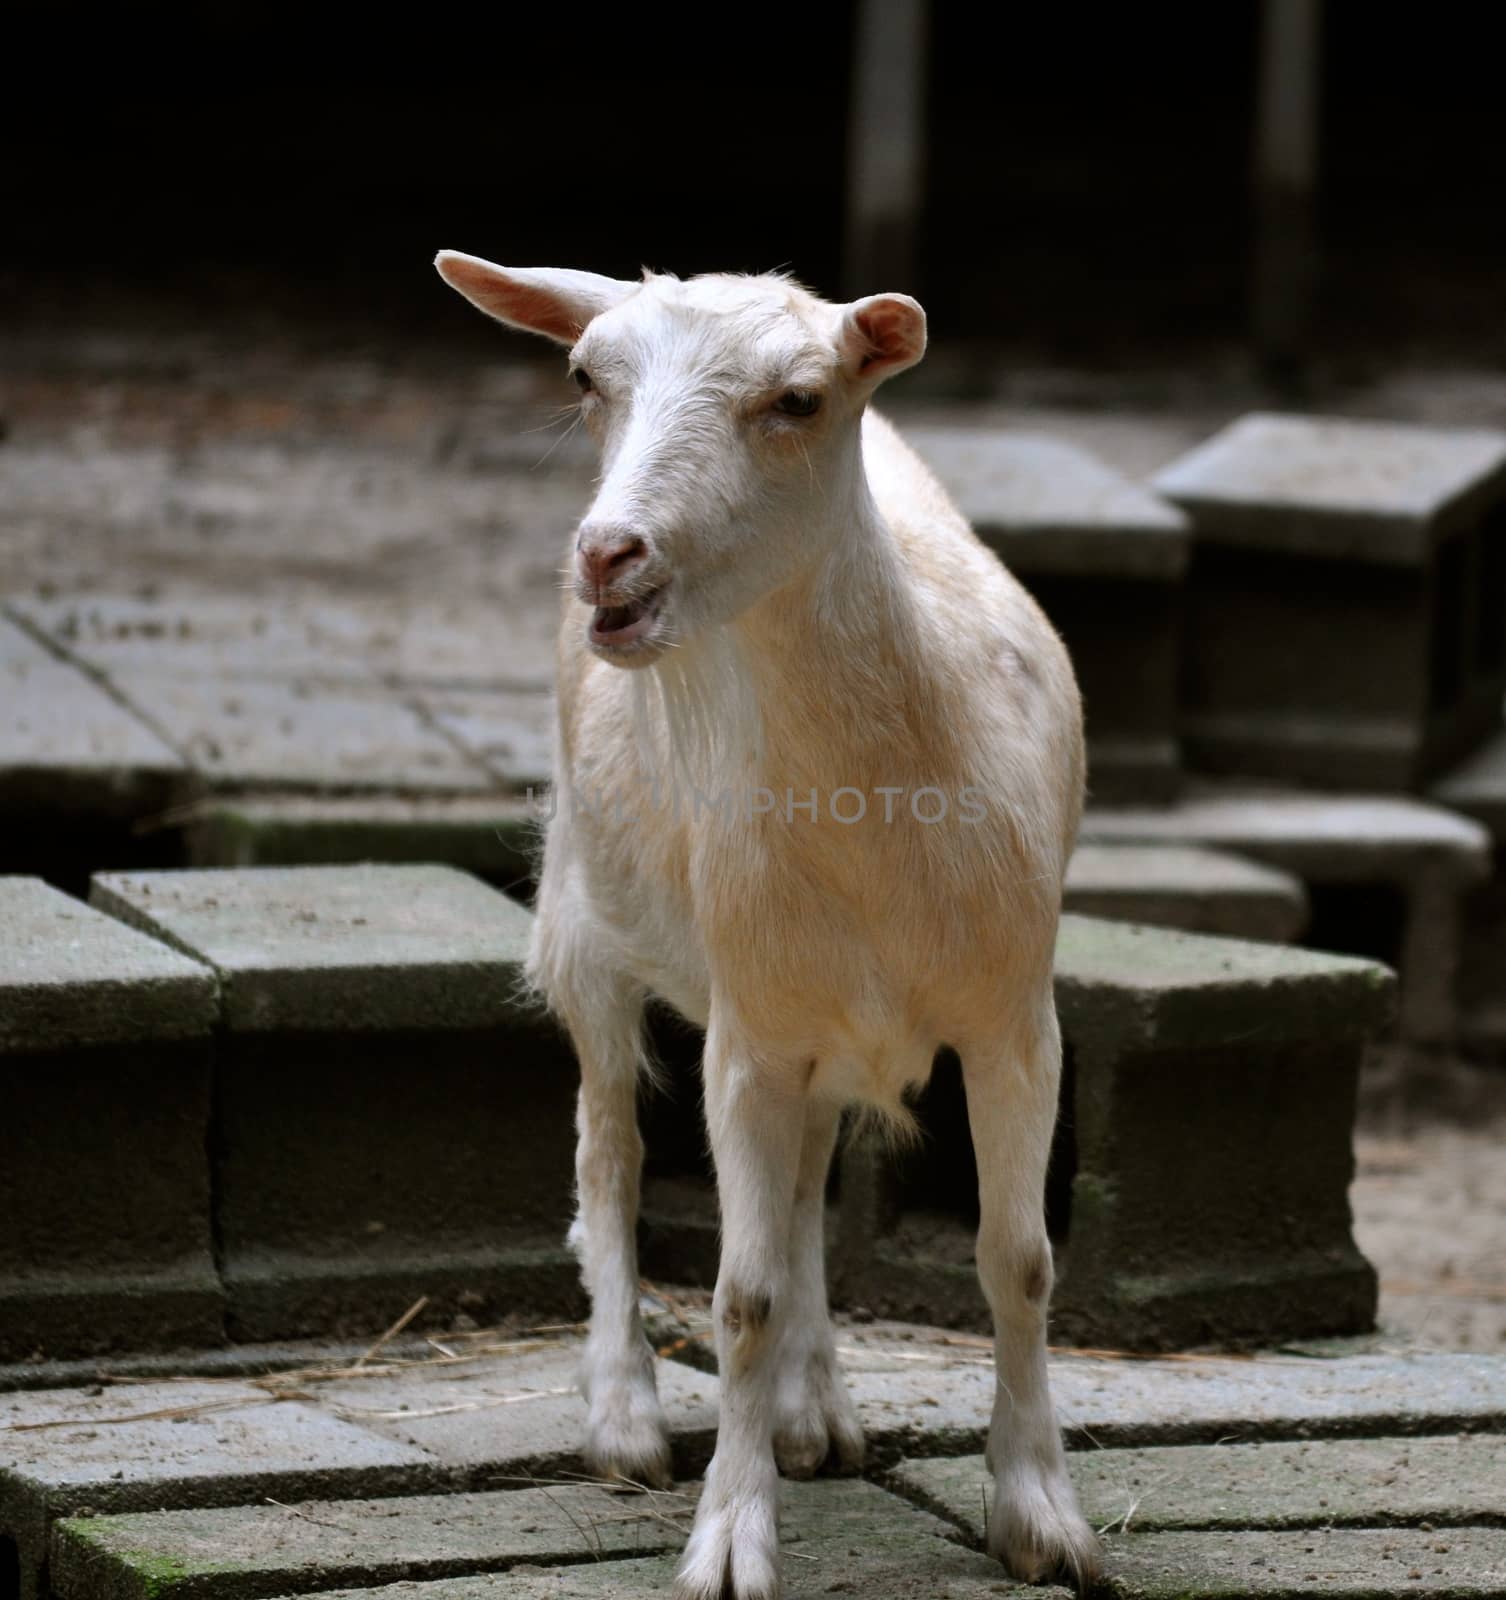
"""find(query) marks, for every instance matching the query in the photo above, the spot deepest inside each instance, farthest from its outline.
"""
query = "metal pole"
(1285, 176)
(886, 146)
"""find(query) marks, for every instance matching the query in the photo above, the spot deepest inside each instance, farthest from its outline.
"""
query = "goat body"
(819, 769)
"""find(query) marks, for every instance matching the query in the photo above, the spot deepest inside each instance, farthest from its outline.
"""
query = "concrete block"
(392, 1119)
(1418, 860)
(1124, 987)
(1374, 491)
(104, 1185)
(496, 837)
(70, 977)
(1477, 788)
(359, 948)
(1193, 1061)
(1346, 604)
(1190, 1059)
(142, 1447)
(1448, 1482)
(516, 1414)
(1198, 891)
(1048, 506)
(246, 733)
(1106, 559)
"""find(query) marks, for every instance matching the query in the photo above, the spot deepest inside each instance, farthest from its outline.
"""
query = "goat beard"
(697, 722)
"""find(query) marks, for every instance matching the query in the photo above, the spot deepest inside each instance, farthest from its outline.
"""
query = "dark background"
(1088, 194)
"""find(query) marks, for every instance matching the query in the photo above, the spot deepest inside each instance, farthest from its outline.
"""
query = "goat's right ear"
(553, 301)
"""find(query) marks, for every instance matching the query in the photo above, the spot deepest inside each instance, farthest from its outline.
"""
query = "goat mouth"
(616, 627)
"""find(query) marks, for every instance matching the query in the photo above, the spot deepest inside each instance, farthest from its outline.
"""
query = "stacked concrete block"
(1477, 788)
(392, 1117)
(496, 837)
(1386, 874)
(1346, 603)
(1199, 891)
(1199, 1191)
(105, 1233)
(1106, 560)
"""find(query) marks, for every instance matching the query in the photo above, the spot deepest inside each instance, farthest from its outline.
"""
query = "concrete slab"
(1357, 1564)
(246, 733)
(1198, 891)
(1050, 507)
(836, 1537)
(494, 836)
(1379, 492)
(515, 1413)
(510, 733)
(1143, 987)
(139, 1447)
(334, 948)
(1320, 1483)
(66, 746)
(201, 1442)
(71, 976)
(200, 635)
(1322, 838)
(241, 1552)
(336, 639)
(937, 1390)
(18, 648)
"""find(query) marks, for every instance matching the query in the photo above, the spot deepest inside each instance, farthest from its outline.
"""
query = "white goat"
(828, 824)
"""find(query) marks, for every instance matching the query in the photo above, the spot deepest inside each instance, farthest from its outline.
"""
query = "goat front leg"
(626, 1436)
(814, 1418)
(1034, 1525)
(755, 1110)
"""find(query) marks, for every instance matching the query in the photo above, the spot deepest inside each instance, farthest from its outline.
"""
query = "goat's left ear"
(881, 335)
(557, 302)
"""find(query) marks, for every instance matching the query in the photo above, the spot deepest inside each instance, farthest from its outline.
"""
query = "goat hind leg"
(626, 1436)
(1034, 1525)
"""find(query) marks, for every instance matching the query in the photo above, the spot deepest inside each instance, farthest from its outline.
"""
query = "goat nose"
(605, 556)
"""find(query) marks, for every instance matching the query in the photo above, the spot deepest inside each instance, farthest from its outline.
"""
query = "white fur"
(825, 620)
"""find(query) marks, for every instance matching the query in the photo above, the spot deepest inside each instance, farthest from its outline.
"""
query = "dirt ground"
(1429, 1202)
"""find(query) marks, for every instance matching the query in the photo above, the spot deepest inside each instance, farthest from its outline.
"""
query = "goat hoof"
(816, 1424)
(632, 1449)
(807, 1443)
(733, 1553)
(1038, 1533)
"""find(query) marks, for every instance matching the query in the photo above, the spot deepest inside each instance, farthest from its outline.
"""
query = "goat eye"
(798, 403)
(582, 380)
